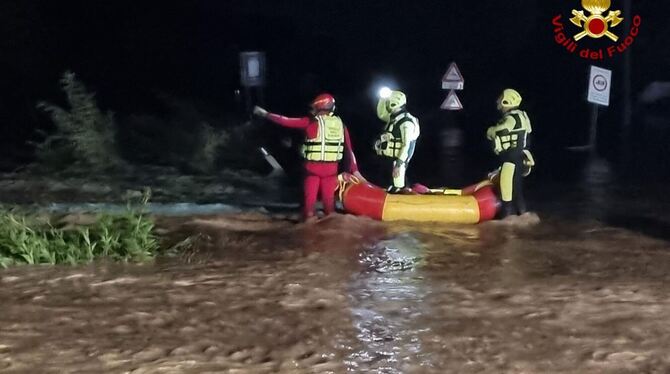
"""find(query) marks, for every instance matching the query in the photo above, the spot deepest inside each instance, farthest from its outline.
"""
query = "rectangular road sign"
(252, 69)
(452, 85)
(600, 82)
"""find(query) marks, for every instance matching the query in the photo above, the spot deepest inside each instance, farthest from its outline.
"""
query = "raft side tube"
(488, 203)
(474, 204)
(431, 208)
(364, 200)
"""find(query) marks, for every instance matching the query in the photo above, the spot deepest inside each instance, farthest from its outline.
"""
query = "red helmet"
(323, 103)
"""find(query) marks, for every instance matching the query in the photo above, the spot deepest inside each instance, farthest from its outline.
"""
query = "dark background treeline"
(131, 53)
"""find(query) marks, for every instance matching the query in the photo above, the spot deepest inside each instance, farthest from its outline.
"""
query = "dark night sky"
(129, 50)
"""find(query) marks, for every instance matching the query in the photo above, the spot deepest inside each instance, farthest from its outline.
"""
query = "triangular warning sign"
(452, 102)
(453, 74)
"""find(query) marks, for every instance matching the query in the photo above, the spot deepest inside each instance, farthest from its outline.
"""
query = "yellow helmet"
(510, 98)
(396, 100)
(391, 104)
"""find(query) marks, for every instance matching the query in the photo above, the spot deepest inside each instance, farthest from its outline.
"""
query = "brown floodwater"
(583, 291)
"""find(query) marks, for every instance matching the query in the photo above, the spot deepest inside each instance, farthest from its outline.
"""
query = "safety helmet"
(395, 101)
(324, 102)
(510, 98)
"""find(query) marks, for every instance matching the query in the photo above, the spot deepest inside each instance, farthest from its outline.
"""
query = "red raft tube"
(472, 204)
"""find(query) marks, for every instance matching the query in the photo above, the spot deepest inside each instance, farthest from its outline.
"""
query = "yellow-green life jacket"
(328, 145)
(391, 141)
(512, 131)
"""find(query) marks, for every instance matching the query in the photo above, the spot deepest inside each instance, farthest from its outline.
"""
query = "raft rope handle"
(342, 184)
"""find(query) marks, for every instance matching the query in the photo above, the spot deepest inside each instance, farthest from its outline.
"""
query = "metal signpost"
(452, 80)
(600, 83)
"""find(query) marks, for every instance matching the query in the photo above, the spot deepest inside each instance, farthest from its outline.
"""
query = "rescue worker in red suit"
(326, 142)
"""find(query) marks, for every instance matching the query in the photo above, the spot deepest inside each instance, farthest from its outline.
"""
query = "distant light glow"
(385, 92)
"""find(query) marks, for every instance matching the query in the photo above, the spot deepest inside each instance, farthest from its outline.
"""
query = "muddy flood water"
(586, 290)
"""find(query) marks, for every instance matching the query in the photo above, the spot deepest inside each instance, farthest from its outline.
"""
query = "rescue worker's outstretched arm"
(260, 111)
(294, 123)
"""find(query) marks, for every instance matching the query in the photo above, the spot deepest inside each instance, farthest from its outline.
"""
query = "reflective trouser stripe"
(507, 181)
(399, 181)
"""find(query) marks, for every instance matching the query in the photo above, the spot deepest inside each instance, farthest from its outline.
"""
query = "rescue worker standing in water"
(510, 139)
(326, 142)
(398, 140)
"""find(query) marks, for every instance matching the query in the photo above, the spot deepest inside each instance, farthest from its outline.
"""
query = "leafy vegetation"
(29, 239)
(84, 134)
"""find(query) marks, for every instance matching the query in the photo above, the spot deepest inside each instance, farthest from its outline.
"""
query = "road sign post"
(452, 80)
(600, 83)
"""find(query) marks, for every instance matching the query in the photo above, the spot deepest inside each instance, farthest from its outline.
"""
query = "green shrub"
(180, 135)
(25, 239)
(84, 134)
(206, 154)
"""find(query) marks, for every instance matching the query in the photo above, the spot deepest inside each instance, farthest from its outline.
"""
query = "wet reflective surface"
(583, 291)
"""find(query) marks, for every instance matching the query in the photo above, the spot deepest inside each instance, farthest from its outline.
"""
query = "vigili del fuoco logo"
(596, 21)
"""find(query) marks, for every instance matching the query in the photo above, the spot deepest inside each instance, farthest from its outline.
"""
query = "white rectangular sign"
(600, 82)
(452, 85)
(252, 69)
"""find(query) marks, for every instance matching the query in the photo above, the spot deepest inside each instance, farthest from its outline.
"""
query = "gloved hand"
(260, 111)
(378, 147)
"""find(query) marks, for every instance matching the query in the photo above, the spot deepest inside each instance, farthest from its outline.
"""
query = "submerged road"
(260, 294)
